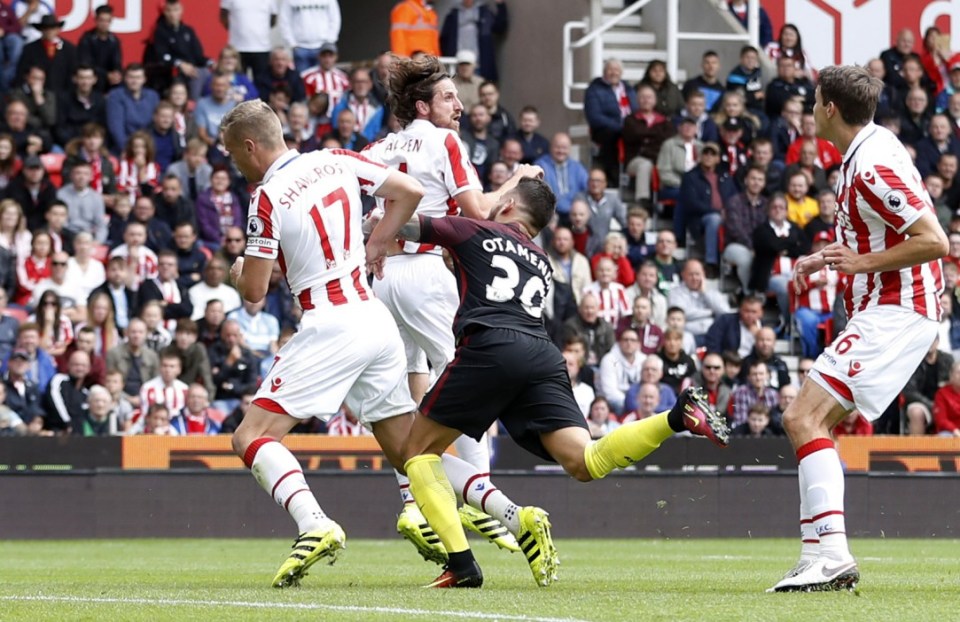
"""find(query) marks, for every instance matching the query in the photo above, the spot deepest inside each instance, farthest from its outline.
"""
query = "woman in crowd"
(241, 88)
(601, 421)
(139, 171)
(935, 57)
(56, 331)
(790, 44)
(669, 98)
(183, 123)
(34, 268)
(9, 161)
(733, 105)
(100, 317)
(218, 208)
(14, 235)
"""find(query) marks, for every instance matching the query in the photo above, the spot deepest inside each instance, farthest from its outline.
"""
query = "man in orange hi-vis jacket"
(413, 28)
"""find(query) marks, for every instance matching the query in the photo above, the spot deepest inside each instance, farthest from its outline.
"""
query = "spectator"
(305, 25)
(788, 84)
(125, 412)
(934, 57)
(611, 294)
(894, 57)
(756, 390)
(85, 207)
(827, 155)
(934, 371)
(65, 400)
(790, 45)
(669, 99)
(165, 388)
(816, 178)
(139, 173)
(134, 360)
(140, 260)
(651, 372)
(248, 23)
(466, 80)
(345, 132)
(212, 288)
(325, 77)
(596, 332)
(638, 250)
(10, 422)
(747, 77)
(585, 241)
(157, 421)
(381, 75)
(826, 220)
(298, 128)
(56, 225)
(66, 294)
(785, 397)
(915, 119)
(566, 177)
(193, 355)
(119, 292)
(733, 150)
(889, 101)
(644, 132)
(99, 417)
(208, 327)
(946, 405)
(40, 100)
(101, 323)
(744, 213)
(177, 48)
(601, 420)
(736, 331)
(801, 207)
(22, 394)
(534, 145)
(703, 192)
(708, 82)
(368, 111)
(677, 320)
(279, 71)
(678, 366)
(646, 287)
(615, 249)
(854, 424)
(56, 57)
(211, 109)
(234, 245)
(740, 10)
(88, 147)
(942, 101)
(732, 363)
(762, 156)
(261, 330)
(32, 189)
(218, 209)
(668, 268)
(34, 268)
(648, 397)
(710, 377)
(86, 340)
(815, 304)
(763, 351)
(607, 102)
(172, 207)
(650, 335)
(569, 266)
(166, 289)
(193, 170)
(619, 369)
(678, 155)
(472, 27)
(480, 144)
(159, 235)
(9, 160)
(234, 367)
(166, 141)
(582, 392)
(502, 125)
(184, 122)
(41, 366)
(9, 327)
(158, 337)
(130, 107)
(733, 105)
(701, 305)
(11, 46)
(99, 49)
(757, 424)
(197, 417)
(695, 107)
(777, 244)
(941, 140)
(413, 28)
(29, 140)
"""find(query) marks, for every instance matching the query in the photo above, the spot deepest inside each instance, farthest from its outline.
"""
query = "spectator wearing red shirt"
(827, 154)
(946, 405)
(615, 249)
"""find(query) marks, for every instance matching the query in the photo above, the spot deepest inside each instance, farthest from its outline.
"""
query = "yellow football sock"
(626, 445)
(435, 498)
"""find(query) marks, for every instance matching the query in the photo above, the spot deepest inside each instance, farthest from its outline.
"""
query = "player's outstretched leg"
(437, 501)
(477, 454)
(529, 524)
(634, 441)
(279, 473)
(412, 525)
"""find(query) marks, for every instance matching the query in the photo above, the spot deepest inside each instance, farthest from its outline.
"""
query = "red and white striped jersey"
(342, 425)
(879, 195)
(333, 82)
(147, 264)
(435, 157)
(613, 301)
(821, 290)
(306, 215)
(154, 391)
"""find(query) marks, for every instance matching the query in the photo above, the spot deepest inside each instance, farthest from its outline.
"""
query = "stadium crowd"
(121, 215)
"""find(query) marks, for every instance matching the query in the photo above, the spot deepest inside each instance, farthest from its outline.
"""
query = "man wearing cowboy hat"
(56, 57)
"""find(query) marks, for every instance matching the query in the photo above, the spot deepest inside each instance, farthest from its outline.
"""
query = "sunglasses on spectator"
(712, 367)
(48, 303)
(59, 263)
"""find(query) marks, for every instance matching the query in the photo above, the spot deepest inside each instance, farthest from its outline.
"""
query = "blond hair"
(254, 120)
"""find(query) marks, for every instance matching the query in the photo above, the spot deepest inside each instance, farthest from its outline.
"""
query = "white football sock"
(810, 541)
(279, 473)
(476, 489)
(821, 470)
(476, 453)
(404, 483)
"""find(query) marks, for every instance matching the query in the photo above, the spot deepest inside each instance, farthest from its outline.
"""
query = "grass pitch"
(601, 580)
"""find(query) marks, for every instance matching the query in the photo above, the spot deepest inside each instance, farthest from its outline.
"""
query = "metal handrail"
(675, 35)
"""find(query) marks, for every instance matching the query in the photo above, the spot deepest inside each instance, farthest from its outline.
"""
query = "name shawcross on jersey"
(879, 195)
(306, 215)
(494, 263)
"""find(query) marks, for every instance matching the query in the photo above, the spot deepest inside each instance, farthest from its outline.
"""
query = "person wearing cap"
(325, 77)
(413, 28)
(678, 154)
(33, 190)
(23, 395)
(472, 25)
(55, 56)
(466, 80)
(703, 192)
(178, 48)
(733, 153)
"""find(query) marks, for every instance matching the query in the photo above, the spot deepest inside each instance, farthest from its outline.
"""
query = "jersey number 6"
(503, 288)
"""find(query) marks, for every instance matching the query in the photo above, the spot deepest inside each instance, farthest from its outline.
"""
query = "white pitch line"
(302, 606)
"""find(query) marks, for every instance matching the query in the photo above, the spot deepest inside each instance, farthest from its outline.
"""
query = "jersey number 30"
(503, 288)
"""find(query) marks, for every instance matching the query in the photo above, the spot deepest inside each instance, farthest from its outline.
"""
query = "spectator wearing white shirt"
(166, 388)
(611, 294)
(305, 25)
(248, 23)
(212, 287)
(620, 368)
(83, 270)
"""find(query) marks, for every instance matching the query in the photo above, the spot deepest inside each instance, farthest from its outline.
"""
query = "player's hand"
(236, 269)
(806, 266)
(377, 256)
(841, 258)
(529, 170)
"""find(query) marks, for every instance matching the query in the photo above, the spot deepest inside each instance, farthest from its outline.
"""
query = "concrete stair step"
(630, 55)
(631, 21)
(628, 38)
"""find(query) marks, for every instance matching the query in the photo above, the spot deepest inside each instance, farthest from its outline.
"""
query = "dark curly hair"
(412, 81)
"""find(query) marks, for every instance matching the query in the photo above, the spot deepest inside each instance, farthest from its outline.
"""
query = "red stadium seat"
(53, 163)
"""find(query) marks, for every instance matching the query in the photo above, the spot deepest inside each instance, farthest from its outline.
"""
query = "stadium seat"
(101, 252)
(16, 313)
(53, 163)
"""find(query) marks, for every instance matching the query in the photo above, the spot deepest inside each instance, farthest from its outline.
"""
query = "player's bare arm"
(926, 241)
(807, 265)
(401, 194)
(477, 205)
(252, 276)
